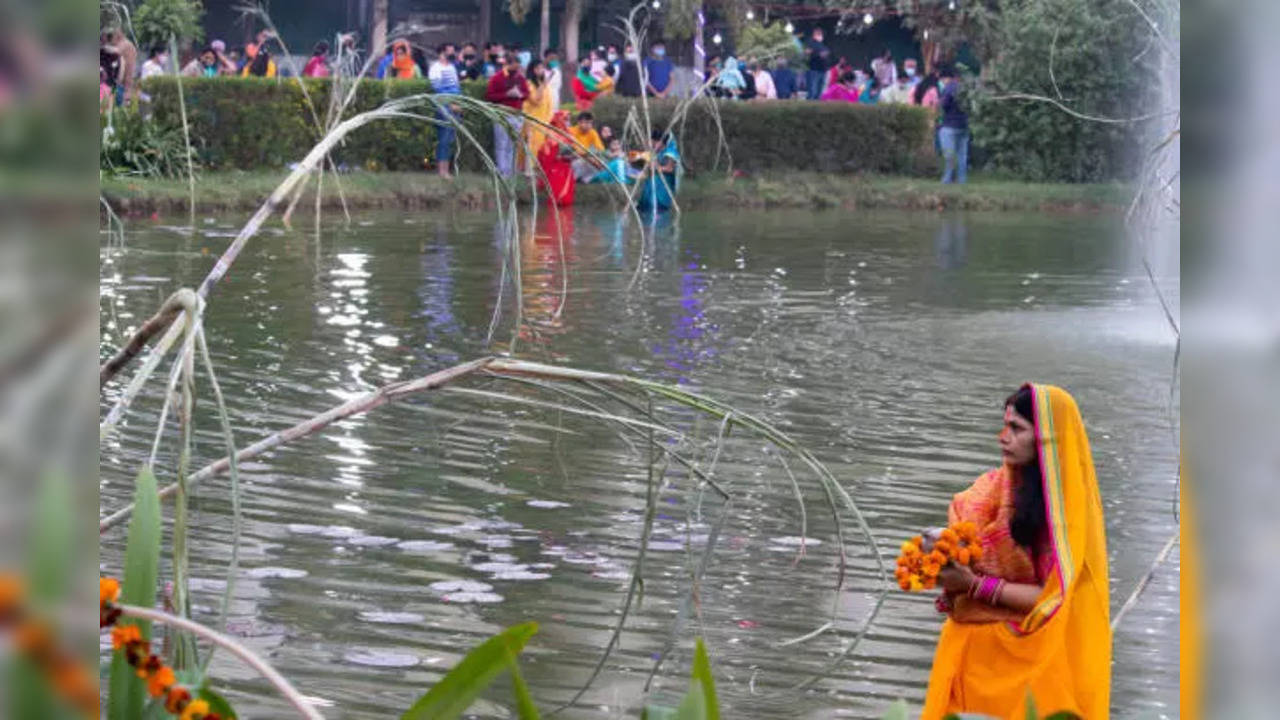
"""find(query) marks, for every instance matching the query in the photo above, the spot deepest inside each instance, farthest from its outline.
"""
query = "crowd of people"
(535, 86)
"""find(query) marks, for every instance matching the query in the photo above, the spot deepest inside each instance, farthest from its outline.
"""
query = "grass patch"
(241, 190)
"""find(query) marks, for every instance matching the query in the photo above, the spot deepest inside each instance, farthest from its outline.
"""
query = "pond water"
(380, 549)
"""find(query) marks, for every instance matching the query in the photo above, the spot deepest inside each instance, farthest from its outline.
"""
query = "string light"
(867, 19)
(717, 39)
(656, 4)
(789, 27)
(951, 5)
(751, 15)
(926, 34)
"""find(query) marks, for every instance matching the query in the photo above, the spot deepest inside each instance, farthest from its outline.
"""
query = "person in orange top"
(584, 132)
(1032, 618)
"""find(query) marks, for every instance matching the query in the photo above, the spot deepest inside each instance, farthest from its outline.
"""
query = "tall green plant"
(766, 42)
(156, 21)
(1073, 54)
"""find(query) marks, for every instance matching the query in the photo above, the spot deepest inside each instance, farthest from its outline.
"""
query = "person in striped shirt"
(443, 75)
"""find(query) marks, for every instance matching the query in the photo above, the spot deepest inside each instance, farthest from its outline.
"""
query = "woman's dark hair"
(1028, 521)
(321, 48)
(534, 80)
(847, 77)
(923, 86)
(259, 65)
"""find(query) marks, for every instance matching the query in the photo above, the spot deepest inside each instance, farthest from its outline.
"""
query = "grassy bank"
(235, 190)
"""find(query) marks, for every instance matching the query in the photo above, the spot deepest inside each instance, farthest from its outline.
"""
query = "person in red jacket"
(508, 89)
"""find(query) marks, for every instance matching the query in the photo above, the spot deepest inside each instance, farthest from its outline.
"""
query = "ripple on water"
(284, 573)
(498, 567)
(374, 540)
(390, 617)
(424, 545)
(448, 586)
(473, 597)
(375, 657)
(520, 575)
(331, 531)
(791, 542)
(547, 504)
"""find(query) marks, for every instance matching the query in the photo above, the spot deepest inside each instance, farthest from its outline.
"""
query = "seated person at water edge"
(1032, 616)
(661, 179)
(591, 146)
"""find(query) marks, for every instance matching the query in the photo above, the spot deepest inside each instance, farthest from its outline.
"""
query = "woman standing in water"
(1034, 617)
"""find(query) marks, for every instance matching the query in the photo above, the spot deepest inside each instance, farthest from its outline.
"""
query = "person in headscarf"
(662, 178)
(730, 80)
(584, 86)
(555, 158)
(403, 66)
(1031, 618)
(844, 91)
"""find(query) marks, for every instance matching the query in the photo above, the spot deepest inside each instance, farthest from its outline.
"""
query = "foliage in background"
(777, 136)
(518, 10)
(950, 25)
(249, 123)
(156, 21)
(766, 42)
(1088, 47)
(133, 145)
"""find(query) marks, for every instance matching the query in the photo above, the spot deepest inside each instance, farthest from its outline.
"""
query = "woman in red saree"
(1032, 617)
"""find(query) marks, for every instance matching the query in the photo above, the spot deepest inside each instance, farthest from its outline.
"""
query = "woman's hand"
(956, 579)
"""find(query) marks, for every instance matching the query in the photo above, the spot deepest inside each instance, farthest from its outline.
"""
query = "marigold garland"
(918, 570)
(34, 637)
(160, 679)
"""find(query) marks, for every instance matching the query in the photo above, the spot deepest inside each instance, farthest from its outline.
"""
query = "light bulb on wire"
(751, 15)
(789, 27)
(926, 34)
(717, 39)
(951, 5)
(657, 4)
(867, 19)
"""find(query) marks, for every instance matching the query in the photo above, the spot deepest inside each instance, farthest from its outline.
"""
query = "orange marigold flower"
(33, 638)
(909, 549)
(195, 710)
(975, 552)
(122, 635)
(929, 583)
(108, 591)
(950, 535)
(916, 585)
(904, 583)
(160, 682)
(944, 547)
(11, 592)
(938, 557)
(176, 700)
(963, 556)
(916, 540)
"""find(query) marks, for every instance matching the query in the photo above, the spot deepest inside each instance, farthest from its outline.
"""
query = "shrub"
(1093, 63)
(787, 135)
(132, 145)
(249, 123)
(156, 21)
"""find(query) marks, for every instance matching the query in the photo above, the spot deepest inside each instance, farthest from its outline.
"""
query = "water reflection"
(880, 344)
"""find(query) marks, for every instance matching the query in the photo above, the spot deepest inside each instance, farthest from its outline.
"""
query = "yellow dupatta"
(1060, 652)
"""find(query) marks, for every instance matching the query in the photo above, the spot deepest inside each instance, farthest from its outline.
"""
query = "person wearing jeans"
(819, 58)
(507, 88)
(953, 136)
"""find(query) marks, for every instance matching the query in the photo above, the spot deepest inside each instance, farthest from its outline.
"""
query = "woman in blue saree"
(663, 177)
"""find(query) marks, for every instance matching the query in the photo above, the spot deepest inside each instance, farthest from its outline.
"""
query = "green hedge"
(795, 135)
(250, 123)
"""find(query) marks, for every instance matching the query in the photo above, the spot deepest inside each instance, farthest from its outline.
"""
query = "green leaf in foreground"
(141, 571)
(217, 703)
(455, 692)
(700, 703)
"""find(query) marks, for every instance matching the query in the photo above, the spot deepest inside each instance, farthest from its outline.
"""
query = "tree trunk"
(486, 21)
(544, 33)
(378, 29)
(569, 33)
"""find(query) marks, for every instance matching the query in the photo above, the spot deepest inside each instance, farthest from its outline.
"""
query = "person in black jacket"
(628, 80)
(954, 133)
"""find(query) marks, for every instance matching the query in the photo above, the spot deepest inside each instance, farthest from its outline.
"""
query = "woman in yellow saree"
(1034, 617)
(537, 107)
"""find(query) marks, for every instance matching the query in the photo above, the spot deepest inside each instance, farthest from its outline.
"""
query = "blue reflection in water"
(691, 340)
(435, 295)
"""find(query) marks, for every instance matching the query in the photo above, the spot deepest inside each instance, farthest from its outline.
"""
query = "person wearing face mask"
(555, 79)
(443, 75)
(784, 79)
(909, 69)
(658, 69)
(203, 65)
(899, 93)
(470, 66)
(629, 83)
(611, 56)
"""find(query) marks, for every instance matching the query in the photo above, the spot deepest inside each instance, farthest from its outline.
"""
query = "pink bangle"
(987, 590)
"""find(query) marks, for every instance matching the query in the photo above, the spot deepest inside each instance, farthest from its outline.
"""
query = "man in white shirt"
(443, 75)
(157, 64)
(899, 93)
(554, 79)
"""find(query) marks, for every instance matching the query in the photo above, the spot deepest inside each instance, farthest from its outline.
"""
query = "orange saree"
(989, 659)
